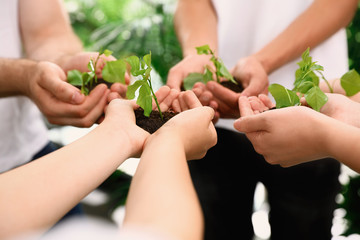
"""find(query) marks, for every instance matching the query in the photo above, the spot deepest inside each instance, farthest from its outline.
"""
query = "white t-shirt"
(245, 27)
(22, 129)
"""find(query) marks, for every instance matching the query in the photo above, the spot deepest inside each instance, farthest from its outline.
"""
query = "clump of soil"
(232, 86)
(154, 121)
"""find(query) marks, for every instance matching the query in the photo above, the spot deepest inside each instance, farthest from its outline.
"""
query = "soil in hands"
(154, 121)
(238, 88)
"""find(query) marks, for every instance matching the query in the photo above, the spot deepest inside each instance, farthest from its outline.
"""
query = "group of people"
(171, 198)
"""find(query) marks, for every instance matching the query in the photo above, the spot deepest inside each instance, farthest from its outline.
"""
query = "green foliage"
(283, 96)
(306, 83)
(350, 82)
(142, 68)
(112, 72)
(129, 27)
(220, 70)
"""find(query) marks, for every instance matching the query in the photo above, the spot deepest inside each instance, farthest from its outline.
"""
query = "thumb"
(249, 124)
(254, 89)
(62, 90)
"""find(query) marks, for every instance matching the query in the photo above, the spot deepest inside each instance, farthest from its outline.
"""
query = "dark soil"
(232, 86)
(99, 81)
(154, 121)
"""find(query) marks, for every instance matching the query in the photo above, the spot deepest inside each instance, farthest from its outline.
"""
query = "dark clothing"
(301, 198)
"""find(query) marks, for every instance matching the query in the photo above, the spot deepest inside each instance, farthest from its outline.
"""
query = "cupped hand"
(62, 103)
(226, 100)
(120, 119)
(195, 129)
(342, 108)
(190, 64)
(287, 136)
(252, 75)
(253, 105)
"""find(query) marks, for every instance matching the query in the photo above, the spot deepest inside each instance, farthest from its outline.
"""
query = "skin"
(48, 36)
(88, 161)
(200, 28)
(313, 135)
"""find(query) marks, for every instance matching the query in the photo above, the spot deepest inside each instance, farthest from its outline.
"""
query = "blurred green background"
(137, 26)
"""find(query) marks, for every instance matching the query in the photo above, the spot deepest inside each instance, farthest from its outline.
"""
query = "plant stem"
(327, 83)
(155, 98)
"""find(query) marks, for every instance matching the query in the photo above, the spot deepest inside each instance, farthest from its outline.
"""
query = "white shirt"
(22, 129)
(245, 27)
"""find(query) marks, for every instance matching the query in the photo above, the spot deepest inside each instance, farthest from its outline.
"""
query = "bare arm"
(196, 25)
(162, 198)
(322, 19)
(58, 181)
(46, 31)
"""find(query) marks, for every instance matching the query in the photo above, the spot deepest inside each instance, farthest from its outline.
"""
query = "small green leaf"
(87, 77)
(130, 93)
(205, 49)
(147, 59)
(283, 97)
(225, 73)
(107, 52)
(208, 75)
(91, 66)
(74, 77)
(134, 62)
(193, 78)
(316, 98)
(350, 82)
(145, 99)
(114, 71)
(304, 86)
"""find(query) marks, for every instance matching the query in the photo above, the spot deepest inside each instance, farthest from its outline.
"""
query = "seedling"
(142, 68)
(113, 71)
(220, 70)
(307, 84)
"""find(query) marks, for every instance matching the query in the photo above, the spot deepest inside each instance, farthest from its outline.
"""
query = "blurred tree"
(128, 27)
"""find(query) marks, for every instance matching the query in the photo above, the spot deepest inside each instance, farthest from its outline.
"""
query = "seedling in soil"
(220, 70)
(113, 71)
(307, 79)
(142, 68)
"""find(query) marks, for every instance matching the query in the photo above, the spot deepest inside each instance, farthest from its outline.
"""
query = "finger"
(62, 90)
(245, 107)
(222, 93)
(167, 102)
(175, 79)
(205, 98)
(254, 89)
(112, 96)
(119, 88)
(257, 105)
(85, 121)
(176, 105)
(190, 99)
(250, 124)
(266, 100)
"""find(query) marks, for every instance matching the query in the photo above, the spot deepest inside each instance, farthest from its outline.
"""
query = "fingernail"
(77, 98)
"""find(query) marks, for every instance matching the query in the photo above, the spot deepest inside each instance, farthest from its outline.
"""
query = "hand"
(226, 100)
(343, 109)
(195, 129)
(253, 105)
(287, 136)
(120, 119)
(60, 102)
(190, 64)
(251, 73)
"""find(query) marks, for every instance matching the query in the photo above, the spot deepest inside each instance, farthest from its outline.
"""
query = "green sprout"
(220, 70)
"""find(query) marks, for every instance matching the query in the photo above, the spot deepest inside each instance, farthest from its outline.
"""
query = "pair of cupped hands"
(63, 104)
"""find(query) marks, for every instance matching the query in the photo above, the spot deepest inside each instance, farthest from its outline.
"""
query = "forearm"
(46, 31)
(322, 19)
(342, 141)
(162, 197)
(36, 195)
(195, 25)
(14, 74)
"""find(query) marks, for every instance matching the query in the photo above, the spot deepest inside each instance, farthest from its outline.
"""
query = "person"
(161, 201)
(39, 31)
(260, 41)
(313, 135)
